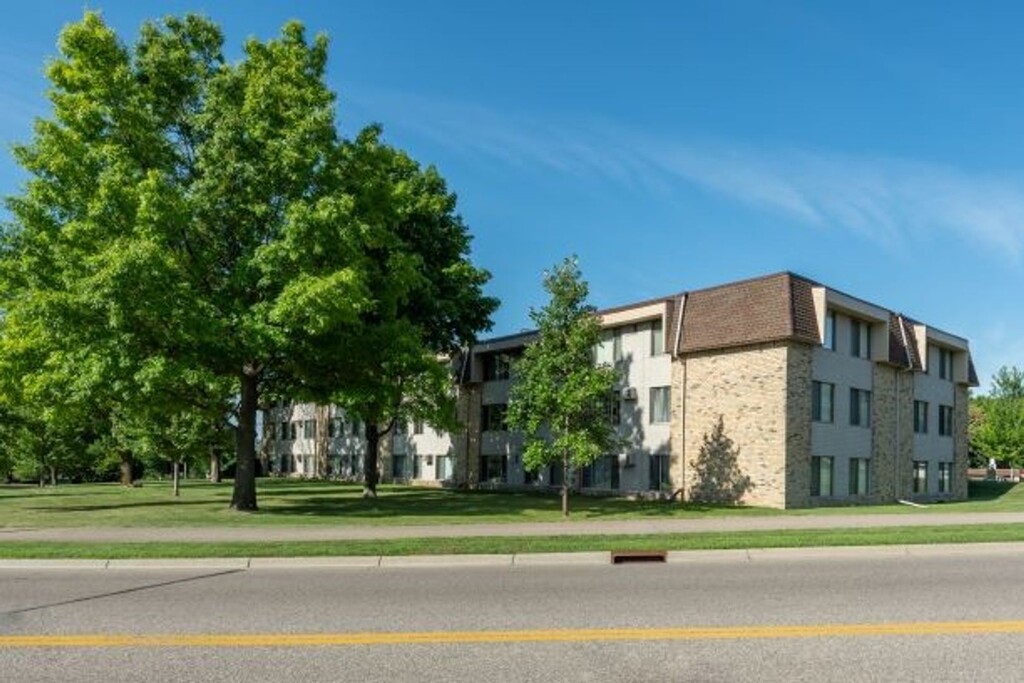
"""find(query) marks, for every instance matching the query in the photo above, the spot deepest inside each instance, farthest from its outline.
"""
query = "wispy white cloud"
(892, 201)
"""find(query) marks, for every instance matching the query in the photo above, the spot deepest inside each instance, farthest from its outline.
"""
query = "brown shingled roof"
(771, 308)
(903, 342)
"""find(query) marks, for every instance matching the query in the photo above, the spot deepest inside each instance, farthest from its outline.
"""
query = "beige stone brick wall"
(960, 454)
(892, 443)
(798, 425)
(676, 433)
(886, 455)
(466, 442)
(748, 388)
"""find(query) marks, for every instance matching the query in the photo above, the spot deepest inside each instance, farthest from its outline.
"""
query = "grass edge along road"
(503, 545)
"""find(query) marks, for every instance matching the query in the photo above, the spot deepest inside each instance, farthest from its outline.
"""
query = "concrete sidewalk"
(582, 527)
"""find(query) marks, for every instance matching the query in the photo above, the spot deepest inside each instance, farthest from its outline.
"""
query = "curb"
(603, 558)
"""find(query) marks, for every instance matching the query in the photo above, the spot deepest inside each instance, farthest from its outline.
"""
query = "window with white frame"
(657, 338)
(860, 407)
(497, 366)
(920, 417)
(829, 342)
(617, 345)
(859, 476)
(860, 338)
(920, 476)
(445, 469)
(821, 475)
(659, 405)
(612, 408)
(658, 472)
(945, 477)
(492, 417)
(822, 401)
(945, 364)
(945, 420)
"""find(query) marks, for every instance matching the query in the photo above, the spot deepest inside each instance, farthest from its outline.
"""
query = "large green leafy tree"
(559, 394)
(428, 298)
(183, 212)
(996, 428)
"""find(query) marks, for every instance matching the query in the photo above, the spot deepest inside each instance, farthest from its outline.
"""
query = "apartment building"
(828, 399)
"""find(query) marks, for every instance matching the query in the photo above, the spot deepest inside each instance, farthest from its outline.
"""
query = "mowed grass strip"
(987, 533)
(317, 503)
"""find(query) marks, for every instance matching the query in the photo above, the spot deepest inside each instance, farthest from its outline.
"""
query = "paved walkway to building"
(581, 527)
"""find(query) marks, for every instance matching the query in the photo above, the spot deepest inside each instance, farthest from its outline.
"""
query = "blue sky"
(877, 147)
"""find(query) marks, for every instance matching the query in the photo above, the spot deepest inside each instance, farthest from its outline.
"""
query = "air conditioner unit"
(629, 394)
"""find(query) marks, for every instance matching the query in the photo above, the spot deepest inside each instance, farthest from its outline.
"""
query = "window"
(492, 417)
(945, 477)
(859, 476)
(920, 417)
(860, 339)
(829, 342)
(920, 477)
(945, 364)
(657, 338)
(283, 433)
(945, 420)
(821, 476)
(658, 474)
(493, 468)
(309, 429)
(445, 468)
(417, 467)
(293, 430)
(401, 428)
(612, 408)
(417, 426)
(497, 366)
(400, 466)
(659, 405)
(336, 427)
(617, 345)
(603, 473)
(860, 407)
(822, 395)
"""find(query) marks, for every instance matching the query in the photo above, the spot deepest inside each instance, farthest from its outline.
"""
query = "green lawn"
(291, 502)
(529, 544)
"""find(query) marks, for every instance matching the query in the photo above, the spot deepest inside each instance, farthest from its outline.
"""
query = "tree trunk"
(53, 475)
(215, 465)
(126, 468)
(177, 480)
(243, 496)
(370, 474)
(565, 485)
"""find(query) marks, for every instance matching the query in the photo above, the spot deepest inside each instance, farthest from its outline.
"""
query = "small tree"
(718, 478)
(559, 393)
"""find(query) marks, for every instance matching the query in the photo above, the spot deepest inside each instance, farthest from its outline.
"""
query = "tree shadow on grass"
(62, 509)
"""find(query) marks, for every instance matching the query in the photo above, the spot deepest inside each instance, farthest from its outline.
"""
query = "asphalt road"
(954, 616)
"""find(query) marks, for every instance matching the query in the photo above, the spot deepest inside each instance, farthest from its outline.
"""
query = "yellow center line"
(98, 640)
